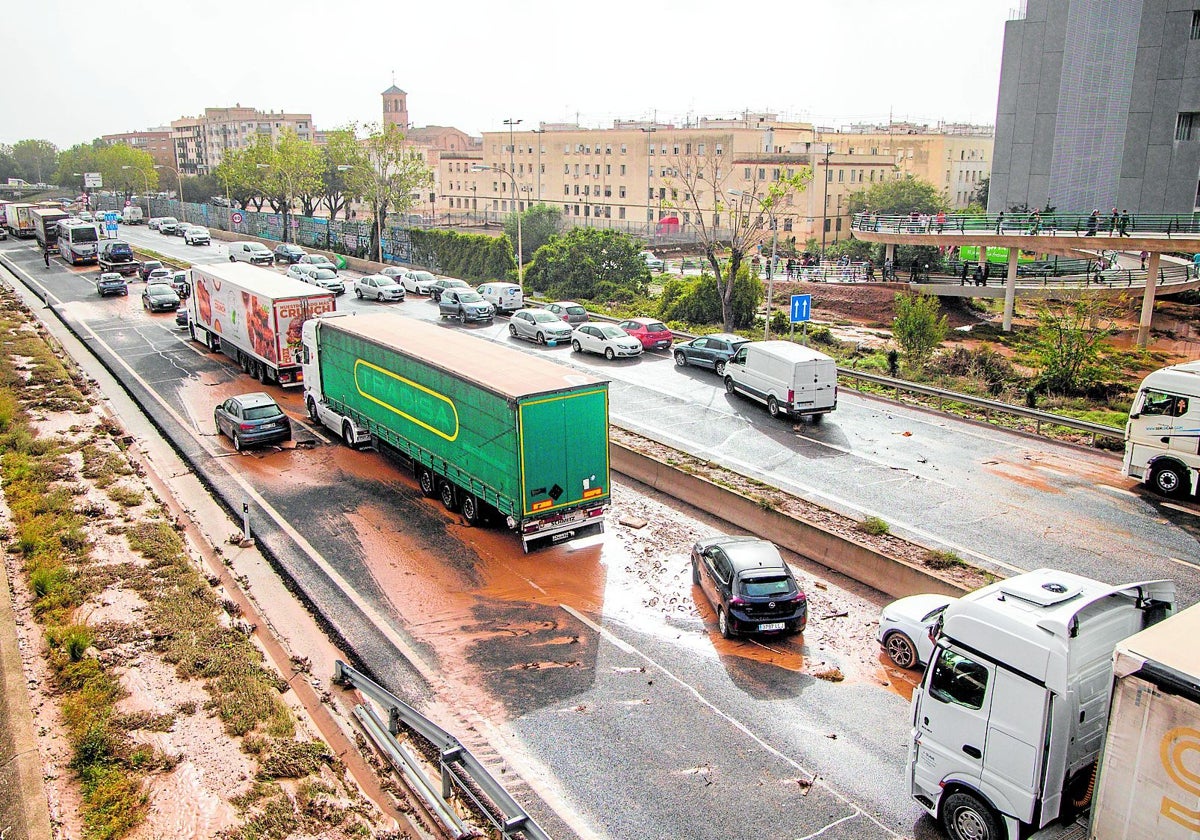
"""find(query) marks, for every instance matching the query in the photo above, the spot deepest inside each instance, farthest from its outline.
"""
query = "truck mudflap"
(573, 526)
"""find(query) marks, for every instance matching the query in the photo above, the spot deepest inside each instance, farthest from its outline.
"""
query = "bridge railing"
(1074, 224)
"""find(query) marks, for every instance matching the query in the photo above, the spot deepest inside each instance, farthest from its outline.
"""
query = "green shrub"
(874, 526)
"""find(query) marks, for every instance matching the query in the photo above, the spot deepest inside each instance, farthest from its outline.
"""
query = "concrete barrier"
(862, 563)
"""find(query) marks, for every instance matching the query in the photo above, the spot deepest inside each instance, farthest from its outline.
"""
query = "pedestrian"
(1035, 223)
(1123, 225)
(46, 255)
(941, 220)
(889, 270)
(978, 276)
(962, 280)
(999, 222)
(1093, 223)
(870, 271)
(1113, 222)
(1144, 255)
(916, 270)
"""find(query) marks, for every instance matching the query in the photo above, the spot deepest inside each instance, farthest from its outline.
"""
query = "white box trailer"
(255, 317)
(1149, 783)
(1162, 437)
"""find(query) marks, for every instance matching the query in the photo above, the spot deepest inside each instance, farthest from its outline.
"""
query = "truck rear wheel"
(427, 482)
(965, 817)
(449, 494)
(772, 406)
(470, 509)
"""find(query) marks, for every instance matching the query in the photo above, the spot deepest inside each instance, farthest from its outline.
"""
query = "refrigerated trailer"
(495, 433)
(18, 219)
(254, 316)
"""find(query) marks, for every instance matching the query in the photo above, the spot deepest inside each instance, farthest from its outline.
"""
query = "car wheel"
(541, 338)
(358, 293)
(680, 360)
(449, 495)
(512, 330)
(1168, 480)
(231, 259)
(900, 650)
(966, 818)
(695, 573)
(237, 441)
(772, 406)
(470, 509)
(311, 405)
(729, 389)
(719, 367)
(575, 346)
(609, 354)
(427, 481)
(723, 624)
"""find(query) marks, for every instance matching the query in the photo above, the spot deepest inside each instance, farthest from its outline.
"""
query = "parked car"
(86, 216)
(378, 287)
(197, 235)
(906, 628)
(538, 325)
(301, 272)
(147, 267)
(181, 283)
(652, 262)
(418, 282)
(252, 418)
(708, 351)
(154, 222)
(654, 335)
(394, 271)
(167, 225)
(440, 285)
(569, 311)
(3, 233)
(319, 260)
(465, 305)
(159, 297)
(327, 280)
(506, 297)
(181, 229)
(254, 253)
(182, 317)
(749, 586)
(285, 252)
(607, 340)
(159, 275)
(111, 283)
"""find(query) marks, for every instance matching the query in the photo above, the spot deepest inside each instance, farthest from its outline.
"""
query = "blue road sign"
(801, 308)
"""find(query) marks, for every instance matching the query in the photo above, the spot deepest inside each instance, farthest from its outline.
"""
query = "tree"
(590, 263)
(200, 189)
(701, 180)
(980, 196)
(340, 154)
(8, 166)
(239, 174)
(898, 198)
(77, 159)
(1069, 338)
(293, 168)
(124, 168)
(919, 327)
(395, 173)
(539, 224)
(36, 160)
(694, 300)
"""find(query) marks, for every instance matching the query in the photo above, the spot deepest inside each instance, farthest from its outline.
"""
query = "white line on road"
(1181, 508)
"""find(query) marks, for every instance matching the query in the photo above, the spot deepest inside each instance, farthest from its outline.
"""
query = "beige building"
(952, 157)
(642, 177)
(201, 142)
(154, 141)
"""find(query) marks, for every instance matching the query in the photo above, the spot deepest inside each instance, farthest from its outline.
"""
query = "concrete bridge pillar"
(1148, 299)
(889, 252)
(1010, 288)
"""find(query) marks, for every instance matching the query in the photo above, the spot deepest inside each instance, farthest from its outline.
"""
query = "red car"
(654, 335)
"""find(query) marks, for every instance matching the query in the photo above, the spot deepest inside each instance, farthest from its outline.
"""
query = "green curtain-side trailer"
(525, 436)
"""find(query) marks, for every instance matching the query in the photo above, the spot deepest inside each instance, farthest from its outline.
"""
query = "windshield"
(197, 229)
(119, 249)
(423, 276)
(470, 297)
(325, 274)
(576, 310)
(160, 290)
(84, 234)
(544, 317)
(170, 220)
(656, 327)
(258, 248)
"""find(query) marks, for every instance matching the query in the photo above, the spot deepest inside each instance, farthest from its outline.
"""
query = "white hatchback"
(608, 340)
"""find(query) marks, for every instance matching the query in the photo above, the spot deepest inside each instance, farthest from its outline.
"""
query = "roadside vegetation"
(71, 495)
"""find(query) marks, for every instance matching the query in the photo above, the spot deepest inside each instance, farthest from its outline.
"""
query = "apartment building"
(955, 158)
(201, 142)
(643, 176)
(154, 141)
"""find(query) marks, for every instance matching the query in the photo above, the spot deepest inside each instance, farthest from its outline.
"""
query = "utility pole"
(512, 167)
(539, 132)
(825, 201)
(649, 171)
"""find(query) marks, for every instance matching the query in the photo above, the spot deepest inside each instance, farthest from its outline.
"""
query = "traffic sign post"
(801, 313)
(236, 218)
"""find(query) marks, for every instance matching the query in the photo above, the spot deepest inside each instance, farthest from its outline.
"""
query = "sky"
(96, 68)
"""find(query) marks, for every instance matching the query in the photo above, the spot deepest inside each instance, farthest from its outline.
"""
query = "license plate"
(774, 625)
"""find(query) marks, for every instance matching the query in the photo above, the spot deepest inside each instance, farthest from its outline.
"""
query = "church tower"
(395, 108)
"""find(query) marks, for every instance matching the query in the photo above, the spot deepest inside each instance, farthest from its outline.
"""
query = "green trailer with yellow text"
(495, 433)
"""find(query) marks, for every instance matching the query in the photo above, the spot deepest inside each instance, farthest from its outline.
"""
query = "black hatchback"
(749, 585)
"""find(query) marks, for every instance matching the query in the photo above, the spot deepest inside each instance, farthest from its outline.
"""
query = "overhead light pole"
(145, 178)
(649, 169)
(825, 201)
(539, 132)
(512, 150)
(770, 210)
(179, 178)
(520, 243)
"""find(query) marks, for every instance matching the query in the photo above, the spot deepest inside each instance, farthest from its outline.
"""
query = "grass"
(874, 526)
(940, 561)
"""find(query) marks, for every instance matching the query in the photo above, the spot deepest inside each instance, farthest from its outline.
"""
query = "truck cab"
(350, 431)
(1162, 436)
(1009, 720)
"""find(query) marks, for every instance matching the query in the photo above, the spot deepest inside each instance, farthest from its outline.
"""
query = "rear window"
(262, 412)
(765, 587)
(656, 327)
(576, 310)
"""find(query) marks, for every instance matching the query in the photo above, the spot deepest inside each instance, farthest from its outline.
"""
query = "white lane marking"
(732, 721)
(1180, 508)
(1110, 488)
(826, 828)
(1184, 563)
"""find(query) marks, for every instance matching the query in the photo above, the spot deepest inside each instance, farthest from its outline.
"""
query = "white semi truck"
(1010, 720)
(1162, 437)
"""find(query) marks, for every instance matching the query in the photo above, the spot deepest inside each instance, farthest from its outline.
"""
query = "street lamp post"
(771, 265)
(649, 169)
(512, 150)
(539, 132)
(520, 243)
(182, 206)
(145, 178)
(825, 201)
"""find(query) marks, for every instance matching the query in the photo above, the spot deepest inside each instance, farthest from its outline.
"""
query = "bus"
(77, 241)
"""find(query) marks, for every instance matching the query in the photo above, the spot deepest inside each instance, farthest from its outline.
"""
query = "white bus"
(77, 241)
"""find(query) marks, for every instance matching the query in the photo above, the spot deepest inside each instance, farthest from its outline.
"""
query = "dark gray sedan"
(248, 419)
(159, 297)
(708, 351)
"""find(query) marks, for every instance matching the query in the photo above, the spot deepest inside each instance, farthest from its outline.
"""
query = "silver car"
(378, 287)
(538, 325)
(418, 282)
(327, 280)
(569, 311)
(465, 305)
(608, 340)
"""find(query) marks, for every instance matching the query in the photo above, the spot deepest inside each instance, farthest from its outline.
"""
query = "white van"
(788, 378)
(1162, 437)
(506, 297)
(254, 253)
(132, 215)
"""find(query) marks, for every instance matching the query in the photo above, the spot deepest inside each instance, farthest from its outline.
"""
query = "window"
(576, 189)
(566, 169)
(566, 209)
(746, 174)
(608, 150)
(622, 170)
(958, 680)
(775, 174)
(787, 224)
(620, 212)
(762, 174)
(587, 189)
(607, 191)
(701, 148)
(566, 189)
(651, 148)
(720, 150)
(650, 197)
(1164, 405)
(608, 169)
(1187, 126)
(841, 175)
(623, 149)
(675, 149)
(587, 169)
(664, 148)
(621, 192)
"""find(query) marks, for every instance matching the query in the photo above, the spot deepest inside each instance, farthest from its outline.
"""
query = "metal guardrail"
(988, 406)
(460, 770)
(1045, 224)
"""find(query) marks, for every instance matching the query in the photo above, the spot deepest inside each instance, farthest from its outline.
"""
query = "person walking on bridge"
(1113, 222)
(1093, 223)
(1123, 225)
(1035, 223)
(941, 220)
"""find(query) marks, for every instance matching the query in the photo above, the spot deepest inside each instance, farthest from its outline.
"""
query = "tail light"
(791, 396)
(246, 427)
(737, 601)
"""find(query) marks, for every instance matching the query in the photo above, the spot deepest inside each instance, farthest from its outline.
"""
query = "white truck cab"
(1010, 718)
(350, 431)
(1162, 437)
